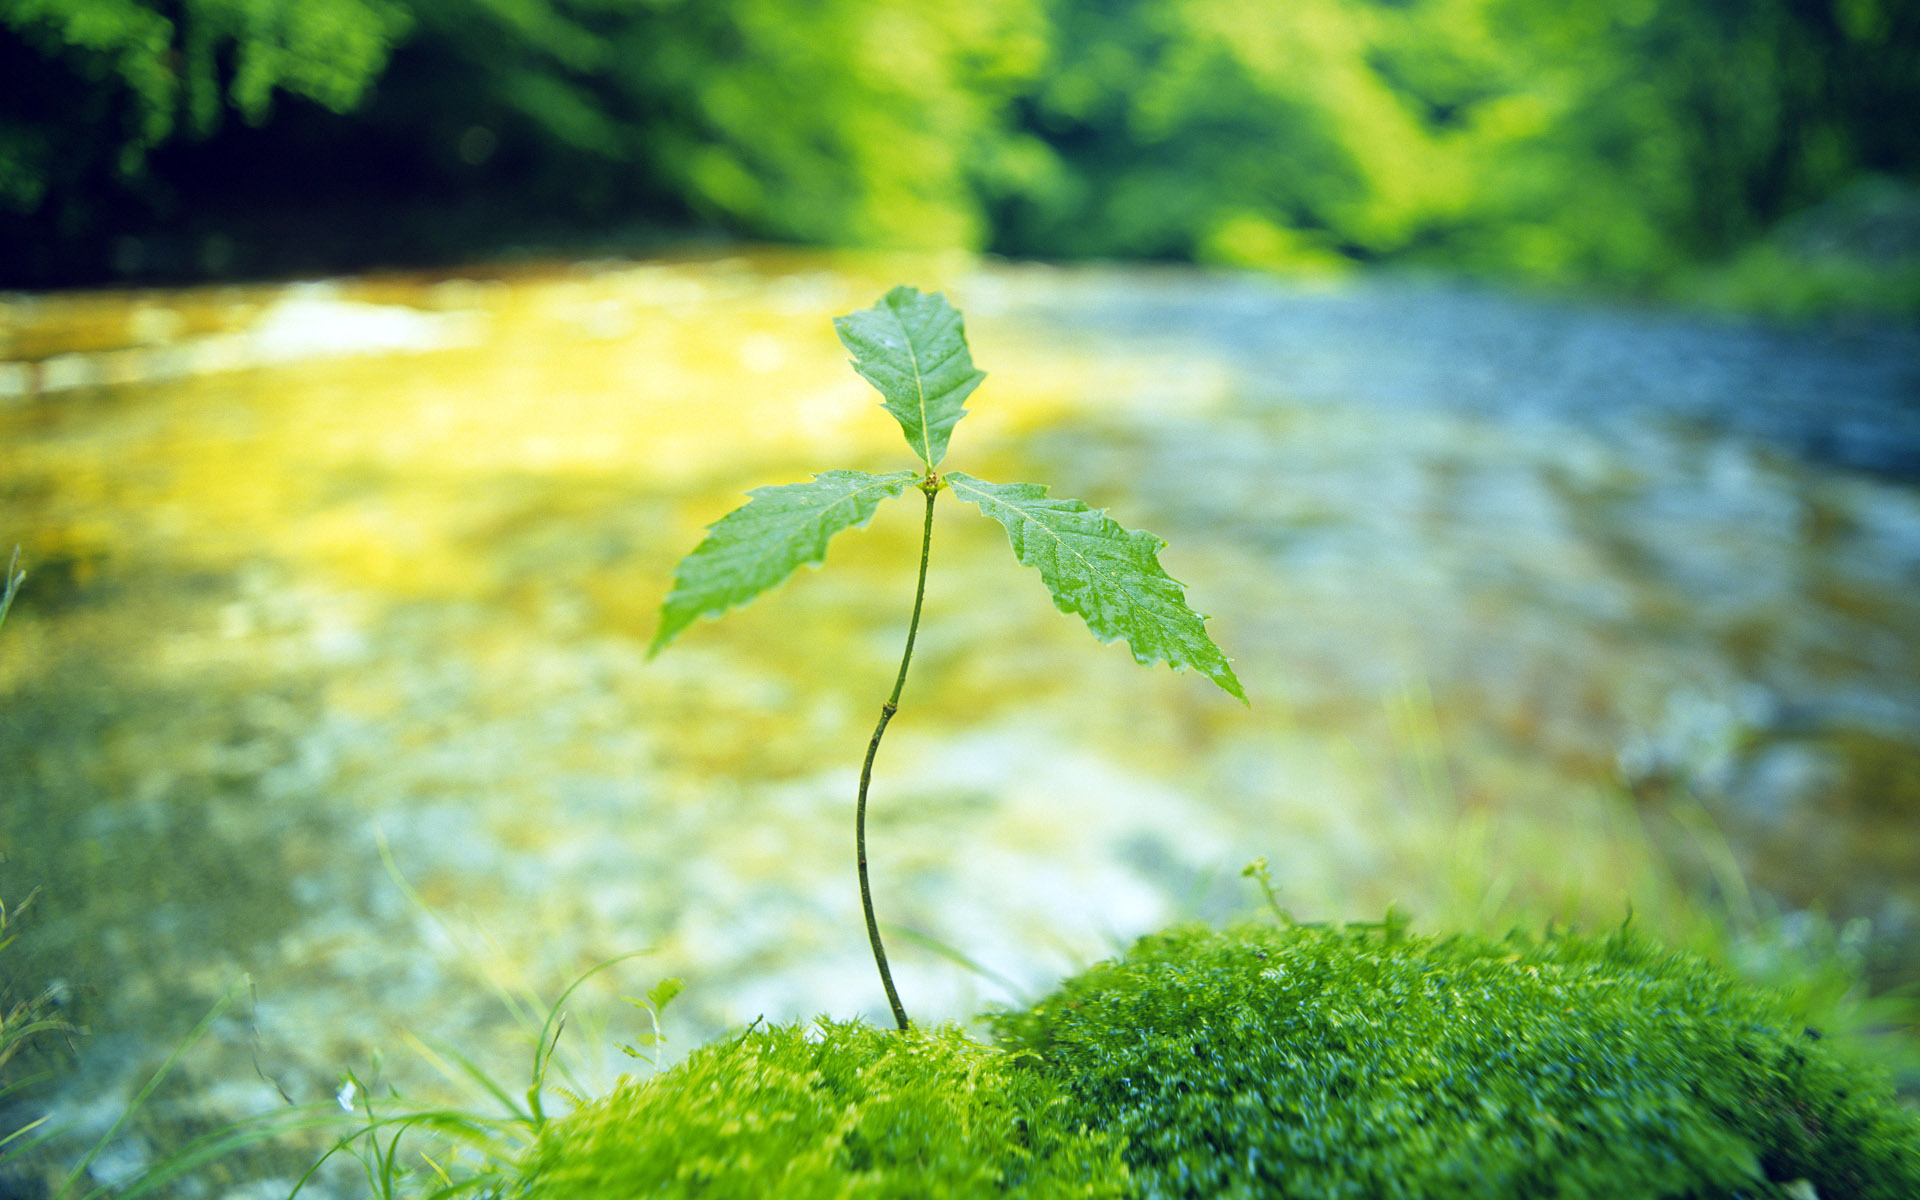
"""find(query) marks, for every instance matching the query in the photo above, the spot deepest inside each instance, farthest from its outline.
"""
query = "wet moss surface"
(1284, 1062)
(1356, 1062)
(835, 1109)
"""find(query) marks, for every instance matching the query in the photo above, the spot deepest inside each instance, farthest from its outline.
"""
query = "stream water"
(329, 674)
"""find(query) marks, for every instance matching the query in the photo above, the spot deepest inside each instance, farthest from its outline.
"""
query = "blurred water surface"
(1542, 609)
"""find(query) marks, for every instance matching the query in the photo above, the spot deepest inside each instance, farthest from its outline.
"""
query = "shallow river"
(330, 675)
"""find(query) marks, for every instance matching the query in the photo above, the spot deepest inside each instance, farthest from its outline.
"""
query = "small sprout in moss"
(658, 997)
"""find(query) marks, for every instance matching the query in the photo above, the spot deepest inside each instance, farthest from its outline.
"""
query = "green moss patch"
(840, 1110)
(1335, 1063)
(1297, 1062)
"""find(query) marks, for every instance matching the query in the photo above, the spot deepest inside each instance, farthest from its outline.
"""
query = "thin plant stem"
(931, 486)
(14, 577)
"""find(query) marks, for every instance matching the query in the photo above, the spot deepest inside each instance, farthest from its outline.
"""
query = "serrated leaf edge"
(957, 480)
(665, 634)
(890, 305)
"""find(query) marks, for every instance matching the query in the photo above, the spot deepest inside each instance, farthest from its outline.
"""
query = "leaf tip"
(673, 622)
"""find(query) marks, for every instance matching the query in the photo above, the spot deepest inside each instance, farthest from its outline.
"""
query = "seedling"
(913, 348)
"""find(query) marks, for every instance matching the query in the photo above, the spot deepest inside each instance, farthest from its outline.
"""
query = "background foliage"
(1617, 141)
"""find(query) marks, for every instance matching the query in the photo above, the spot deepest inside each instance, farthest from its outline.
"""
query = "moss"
(843, 1110)
(1297, 1062)
(1355, 1062)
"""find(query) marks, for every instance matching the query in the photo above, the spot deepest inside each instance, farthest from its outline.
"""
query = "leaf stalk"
(931, 488)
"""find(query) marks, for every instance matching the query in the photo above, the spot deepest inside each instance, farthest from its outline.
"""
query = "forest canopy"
(1612, 141)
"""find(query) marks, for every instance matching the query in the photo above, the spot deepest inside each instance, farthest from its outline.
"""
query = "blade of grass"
(21, 1132)
(1015, 992)
(146, 1092)
(550, 1036)
(438, 1052)
(517, 1007)
(216, 1145)
(15, 577)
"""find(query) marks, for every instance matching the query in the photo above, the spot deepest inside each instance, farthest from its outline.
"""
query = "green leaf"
(760, 543)
(1111, 576)
(661, 994)
(913, 347)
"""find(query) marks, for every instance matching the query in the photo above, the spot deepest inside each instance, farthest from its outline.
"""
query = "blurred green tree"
(1676, 132)
(1617, 140)
(95, 86)
(843, 121)
(869, 122)
(1243, 131)
(1611, 140)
